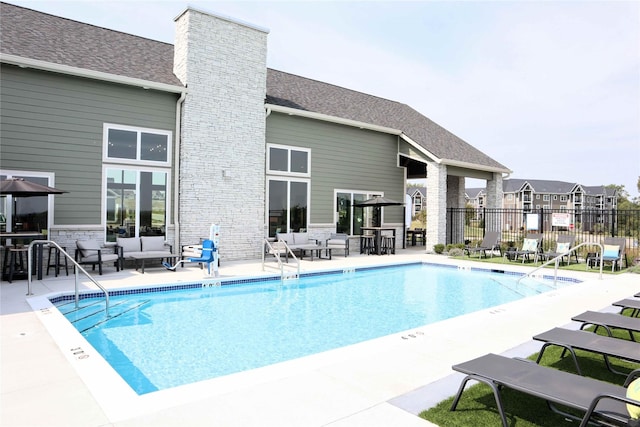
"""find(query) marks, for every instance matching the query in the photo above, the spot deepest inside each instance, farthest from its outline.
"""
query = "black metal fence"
(468, 225)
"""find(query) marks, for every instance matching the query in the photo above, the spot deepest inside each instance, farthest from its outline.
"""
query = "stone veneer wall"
(494, 200)
(436, 205)
(222, 152)
(455, 199)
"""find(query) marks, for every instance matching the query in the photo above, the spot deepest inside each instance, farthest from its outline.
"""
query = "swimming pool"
(160, 339)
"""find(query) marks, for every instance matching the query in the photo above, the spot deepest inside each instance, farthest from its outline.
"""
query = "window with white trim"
(136, 171)
(288, 188)
(285, 160)
(349, 218)
(126, 144)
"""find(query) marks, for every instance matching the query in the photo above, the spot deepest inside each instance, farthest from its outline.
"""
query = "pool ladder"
(287, 271)
(77, 269)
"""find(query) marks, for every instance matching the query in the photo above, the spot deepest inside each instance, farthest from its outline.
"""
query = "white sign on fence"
(561, 219)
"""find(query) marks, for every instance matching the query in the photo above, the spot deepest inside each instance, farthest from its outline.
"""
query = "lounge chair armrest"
(632, 376)
(598, 398)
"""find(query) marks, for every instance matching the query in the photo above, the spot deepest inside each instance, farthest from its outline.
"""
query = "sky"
(550, 89)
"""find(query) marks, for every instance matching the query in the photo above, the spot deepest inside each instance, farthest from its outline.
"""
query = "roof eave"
(475, 166)
(333, 119)
(90, 74)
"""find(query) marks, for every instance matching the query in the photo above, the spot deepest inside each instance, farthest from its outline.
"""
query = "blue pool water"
(159, 340)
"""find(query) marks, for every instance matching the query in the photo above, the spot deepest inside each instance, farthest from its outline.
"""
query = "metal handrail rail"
(276, 253)
(557, 258)
(76, 269)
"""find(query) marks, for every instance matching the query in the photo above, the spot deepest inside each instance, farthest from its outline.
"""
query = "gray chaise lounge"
(490, 242)
(609, 321)
(597, 399)
(572, 340)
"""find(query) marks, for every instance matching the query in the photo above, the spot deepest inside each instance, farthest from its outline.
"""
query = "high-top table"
(377, 232)
(27, 235)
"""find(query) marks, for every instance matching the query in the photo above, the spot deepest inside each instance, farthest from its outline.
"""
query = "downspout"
(176, 174)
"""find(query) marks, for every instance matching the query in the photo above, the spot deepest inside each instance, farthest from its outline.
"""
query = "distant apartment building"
(530, 194)
(475, 197)
(418, 199)
(588, 205)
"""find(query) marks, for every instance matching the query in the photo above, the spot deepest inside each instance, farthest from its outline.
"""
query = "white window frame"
(137, 170)
(368, 195)
(289, 148)
(139, 130)
(289, 180)
(51, 179)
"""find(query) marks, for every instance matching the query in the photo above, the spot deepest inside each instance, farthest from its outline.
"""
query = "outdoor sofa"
(143, 248)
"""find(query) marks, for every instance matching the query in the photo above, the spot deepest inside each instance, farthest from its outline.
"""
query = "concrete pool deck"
(49, 377)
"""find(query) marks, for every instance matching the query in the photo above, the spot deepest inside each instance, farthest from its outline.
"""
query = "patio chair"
(614, 252)
(572, 340)
(92, 253)
(338, 241)
(598, 400)
(609, 321)
(564, 243)
(490, 242)
(532, 245)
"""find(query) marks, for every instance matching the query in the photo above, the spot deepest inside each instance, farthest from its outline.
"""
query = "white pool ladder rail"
(277, 249)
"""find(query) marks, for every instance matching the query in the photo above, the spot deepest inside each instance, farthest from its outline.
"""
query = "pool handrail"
(276, 253)
(557, 258)
(76, 269)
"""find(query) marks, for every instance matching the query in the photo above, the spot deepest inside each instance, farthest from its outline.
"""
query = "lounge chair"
(530, 246)
(338, 241)
(597, 399)
(490, 242)
(564, 243)
(572, 340)
(631, 304)
(614, 252)
(89, 252)
(608, 321)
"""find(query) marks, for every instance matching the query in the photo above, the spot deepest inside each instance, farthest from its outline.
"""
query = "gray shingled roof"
(293, 91)
(473, 193)
(539, 186)
(36, 35)
(513, 185)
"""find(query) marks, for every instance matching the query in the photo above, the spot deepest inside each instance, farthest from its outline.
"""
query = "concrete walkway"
(51, 377)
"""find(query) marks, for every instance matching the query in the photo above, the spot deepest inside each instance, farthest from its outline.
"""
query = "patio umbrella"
(18, 187)
(378, 201)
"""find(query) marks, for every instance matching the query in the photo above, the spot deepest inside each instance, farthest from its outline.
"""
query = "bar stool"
(14, 257)
(388, 245)
(56, 260)
(366, 244)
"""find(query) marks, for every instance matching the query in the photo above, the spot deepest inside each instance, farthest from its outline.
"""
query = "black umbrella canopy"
(378, 201)
(20, 188)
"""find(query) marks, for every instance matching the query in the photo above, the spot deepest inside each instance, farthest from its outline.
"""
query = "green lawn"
(477, 406)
